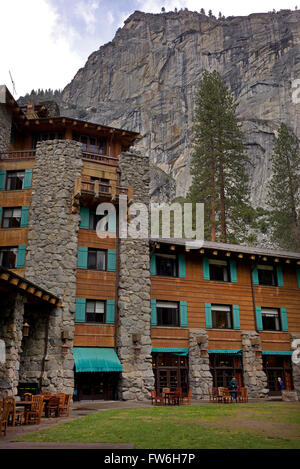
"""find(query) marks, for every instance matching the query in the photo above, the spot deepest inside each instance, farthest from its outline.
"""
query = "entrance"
(278, 366)
(223, 367)
(96, 386)
(170, 371)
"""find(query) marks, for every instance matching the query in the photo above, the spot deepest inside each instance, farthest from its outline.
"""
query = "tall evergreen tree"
(219, 162)
(284, 190)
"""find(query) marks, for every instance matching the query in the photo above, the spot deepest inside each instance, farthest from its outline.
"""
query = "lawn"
(229, 426)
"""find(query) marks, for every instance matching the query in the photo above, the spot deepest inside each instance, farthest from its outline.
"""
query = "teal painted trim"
(183, 314)
(181, 265)
(284, 321)
(298, 276)
(205, 263)
(85, 218)
(276, 352)
(80, 309)
(111, 260)
(112, 222)
(24, 216)
(110, 311)
(236, 316)
(153, 313)
(2, 179)
(255, 280)
(208, 316)
(259, 324)
(21, 257)
(82, 257)
(279, 275)
(28, 179)
(174, 351)
(153, 264)
(227, 352)
(233, 272)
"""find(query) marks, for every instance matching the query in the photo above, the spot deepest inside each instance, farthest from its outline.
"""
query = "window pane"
(99, 307)
(90, 306)
(166, 265)
(218, 271)
(270, 320)
(92, 259)
(266, 275)
(167, 314)
(101, 260)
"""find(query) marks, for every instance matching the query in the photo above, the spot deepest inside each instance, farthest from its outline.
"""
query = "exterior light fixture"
(25, 330)
(64, 349)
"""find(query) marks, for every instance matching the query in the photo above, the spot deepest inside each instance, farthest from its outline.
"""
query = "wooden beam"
(4, 276)
(14, 281)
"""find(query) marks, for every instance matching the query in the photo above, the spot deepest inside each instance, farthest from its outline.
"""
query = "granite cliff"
(145, 80)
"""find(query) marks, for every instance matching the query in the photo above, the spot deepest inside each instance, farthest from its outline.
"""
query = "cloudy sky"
(45, 42)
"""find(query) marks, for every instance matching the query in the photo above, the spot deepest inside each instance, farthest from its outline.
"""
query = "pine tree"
(284, 190)
(218, 163)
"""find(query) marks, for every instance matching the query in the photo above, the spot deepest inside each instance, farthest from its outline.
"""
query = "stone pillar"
(51, 260)
(5, 126)
(200, 378)
(11, 324)
(255, 378)
(134, 310)
(295, 344)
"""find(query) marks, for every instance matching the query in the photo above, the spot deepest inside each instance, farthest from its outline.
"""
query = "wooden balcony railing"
(108, 160)
(17, 155)
(85, 187)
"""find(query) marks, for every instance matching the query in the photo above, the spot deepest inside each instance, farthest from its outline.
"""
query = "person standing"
(281, 384)
(233, 386)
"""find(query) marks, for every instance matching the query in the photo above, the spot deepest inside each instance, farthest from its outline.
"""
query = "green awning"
(96, 359)
(226, 352)
(173, 351)
(276, 352)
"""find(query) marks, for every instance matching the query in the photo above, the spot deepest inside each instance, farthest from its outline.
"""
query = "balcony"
(98, 158)
(20, 155)
(96, 191)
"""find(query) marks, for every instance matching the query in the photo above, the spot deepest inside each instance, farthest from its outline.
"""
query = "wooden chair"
(47, 395)
(243, 395)
(213, 395)
(226, 396)
(52, 407)
(65, 410)
(175, 398)
(156, 399)
(34, 414)
(163, 393)
(4, 418)
(187, 399)
(180, 392)
(27, 396)
(61, 396)
(16, 416)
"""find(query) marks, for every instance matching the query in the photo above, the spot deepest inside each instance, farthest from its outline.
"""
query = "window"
(266, 275)
(92, 144)
(95, 311)
(11, 218)
(47, 136)
(104, 184)
(8, 257)
(94, 219)
(218, 270)
(167, 313)
(221, 316)
(166, 265)
(15, 180)
(270, 319)
(96, 259)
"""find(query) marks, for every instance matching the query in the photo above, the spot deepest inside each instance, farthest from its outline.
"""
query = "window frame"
(97, 148)
(225, 264)
(266, 268)
(167, 256)
(9, 177)
(160, 321)
(228, 310)
(265, 311)
(103, 315)
(96, 250)
(3, 218)
(8, 249)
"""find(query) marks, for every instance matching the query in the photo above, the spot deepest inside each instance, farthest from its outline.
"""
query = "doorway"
(223, 367)
(170, 371)
(96, 386)
(278, 366)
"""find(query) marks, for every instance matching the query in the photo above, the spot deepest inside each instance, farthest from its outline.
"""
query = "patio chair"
(243, 395)
(65, 410)
(27, 396)
(187, 399)
(175, 398)
(226, 396)
(16, 416)
(4, 418)
(213, 395)
(35, 413)
(156, 399)
(61, 396)
(52, 407)
(180, 392)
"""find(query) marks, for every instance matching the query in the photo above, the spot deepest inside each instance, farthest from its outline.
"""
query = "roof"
(224, 247)
(13, 281)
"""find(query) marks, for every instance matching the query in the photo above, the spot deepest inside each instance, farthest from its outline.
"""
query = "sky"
(45, 42)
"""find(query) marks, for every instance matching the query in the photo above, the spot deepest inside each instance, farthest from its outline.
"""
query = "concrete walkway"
(77, 409)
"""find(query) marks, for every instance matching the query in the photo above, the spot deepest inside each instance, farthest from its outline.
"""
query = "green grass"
(245, 426)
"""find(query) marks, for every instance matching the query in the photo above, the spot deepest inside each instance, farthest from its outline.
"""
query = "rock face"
(145, 80)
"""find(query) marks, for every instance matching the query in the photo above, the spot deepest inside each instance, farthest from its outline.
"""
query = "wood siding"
(94, 335)
(169, 337)
(13, 236)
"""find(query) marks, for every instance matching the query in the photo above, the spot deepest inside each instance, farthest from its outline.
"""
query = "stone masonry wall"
(255, 378)
(200, 378)
(11, 323)
(5, 128)
(134, 293)
(51, 259)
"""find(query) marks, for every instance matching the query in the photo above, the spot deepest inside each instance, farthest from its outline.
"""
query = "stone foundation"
(134, 311)
(51, 260)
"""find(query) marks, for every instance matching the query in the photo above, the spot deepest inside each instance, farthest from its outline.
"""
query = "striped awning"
(173, 351)
(96, 359)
